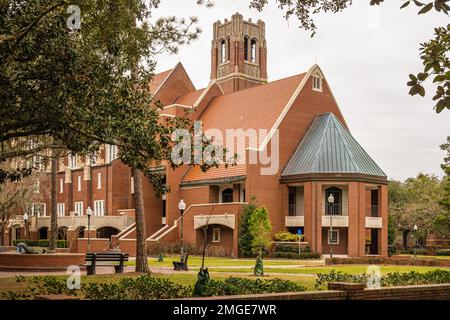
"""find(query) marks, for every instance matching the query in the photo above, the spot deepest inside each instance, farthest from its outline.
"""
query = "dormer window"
(317, 83)
(223, 51)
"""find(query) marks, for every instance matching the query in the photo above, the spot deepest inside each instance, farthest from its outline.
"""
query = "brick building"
(303, 151)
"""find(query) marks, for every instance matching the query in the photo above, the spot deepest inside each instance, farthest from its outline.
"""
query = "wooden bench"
(105, 259)
(182, 264)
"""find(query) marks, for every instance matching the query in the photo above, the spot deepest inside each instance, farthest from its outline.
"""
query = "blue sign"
(299, 232)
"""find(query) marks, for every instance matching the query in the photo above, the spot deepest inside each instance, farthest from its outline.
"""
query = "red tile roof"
(254, 108)
(190, 98)
(158, 80)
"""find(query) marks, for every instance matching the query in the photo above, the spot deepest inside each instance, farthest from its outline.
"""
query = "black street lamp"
(89, 213)
(25, 219)
(181, 207)
(331, 201)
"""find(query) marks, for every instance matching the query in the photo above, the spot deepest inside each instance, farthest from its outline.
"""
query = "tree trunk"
(54, 202)
(2, 233)
(141, 249)
(405, 239)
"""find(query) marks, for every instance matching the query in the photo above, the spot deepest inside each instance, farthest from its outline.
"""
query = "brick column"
(383, 210)
(353, 220)
(318, 199)
(354, 291)
(362, 219)
(309, 231)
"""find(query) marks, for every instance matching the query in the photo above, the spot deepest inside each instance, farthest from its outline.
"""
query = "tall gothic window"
(245, 48)
(253, 50)
(223, 51)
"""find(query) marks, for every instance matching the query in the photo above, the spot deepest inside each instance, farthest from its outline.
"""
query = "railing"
(292, 210)
(333, 209)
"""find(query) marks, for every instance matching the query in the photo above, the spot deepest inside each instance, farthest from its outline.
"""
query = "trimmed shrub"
(419, 251)
(240, 286)
(443, 252)
(388, 280)
(295, 255)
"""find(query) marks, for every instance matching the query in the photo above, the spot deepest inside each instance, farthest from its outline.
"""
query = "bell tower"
(239, 54)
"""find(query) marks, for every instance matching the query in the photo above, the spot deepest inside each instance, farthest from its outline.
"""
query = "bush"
(240, 286)
(443, 252)
(388, 280)
(286, 236)
(43, 243)
(295, 255)
(392, 249)
(245, 239)
(144, 287)
(43, 285)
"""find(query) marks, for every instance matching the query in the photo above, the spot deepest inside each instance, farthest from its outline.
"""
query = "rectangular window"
(39, 209)
(79, 208)
(99, 181)
(99, 207)
(73, 161)
(216, 235)
(333, 236)
(61, 209)
(132, 185)
(317, 83)
(79, 184)
(292, 201)
(112, 153)
(61, 185)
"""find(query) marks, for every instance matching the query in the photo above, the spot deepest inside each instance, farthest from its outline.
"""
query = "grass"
(196, 261)
(353, 269)
(424, 256)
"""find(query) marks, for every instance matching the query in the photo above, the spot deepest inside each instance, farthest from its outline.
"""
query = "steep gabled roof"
(256, 108)
(328, 147)
(158, 79)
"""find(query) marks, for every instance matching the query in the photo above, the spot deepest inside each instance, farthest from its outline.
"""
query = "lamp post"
(25, 219)
(415, 236)
(331, 201)
(181, 207)
(89, 213)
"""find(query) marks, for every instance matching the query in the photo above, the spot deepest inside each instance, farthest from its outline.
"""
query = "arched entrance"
(43, 233)
(107, 232)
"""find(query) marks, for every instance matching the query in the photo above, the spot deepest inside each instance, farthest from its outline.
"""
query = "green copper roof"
(328, 147)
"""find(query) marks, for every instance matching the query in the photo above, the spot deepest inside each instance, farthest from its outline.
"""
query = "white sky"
(366, 54)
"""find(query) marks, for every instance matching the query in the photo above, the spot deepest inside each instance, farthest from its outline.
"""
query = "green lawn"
(424, 256)
(326, 269)
(196, 261)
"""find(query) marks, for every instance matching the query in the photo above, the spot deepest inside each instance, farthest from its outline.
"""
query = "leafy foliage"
(244, 237)
(260, 228)
(388, 280)
(286, 236)
(35, 286)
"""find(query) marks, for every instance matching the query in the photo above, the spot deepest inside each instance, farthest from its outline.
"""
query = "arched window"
(227, 195)
(223, 52)
(253, 50)
(245, 48)
(336, 207)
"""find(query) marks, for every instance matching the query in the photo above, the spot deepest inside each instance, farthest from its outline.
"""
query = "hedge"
(295, 255)
(443, 252)
(41, 243)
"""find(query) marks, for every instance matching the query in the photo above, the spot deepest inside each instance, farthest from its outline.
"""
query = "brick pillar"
(353, 220)
(362, 219)
(318, 212)
(92, 231)
(309, 231)
(383, 209)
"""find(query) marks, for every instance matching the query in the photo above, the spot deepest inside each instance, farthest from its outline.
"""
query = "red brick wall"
(55, 261)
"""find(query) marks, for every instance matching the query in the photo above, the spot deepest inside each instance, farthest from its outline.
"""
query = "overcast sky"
(366, 54)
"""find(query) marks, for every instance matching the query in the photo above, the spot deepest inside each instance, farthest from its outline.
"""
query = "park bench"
(182, 264)
(105, 259)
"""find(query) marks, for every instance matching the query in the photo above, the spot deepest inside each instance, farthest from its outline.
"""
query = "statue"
(202, 281)
(29, 250)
